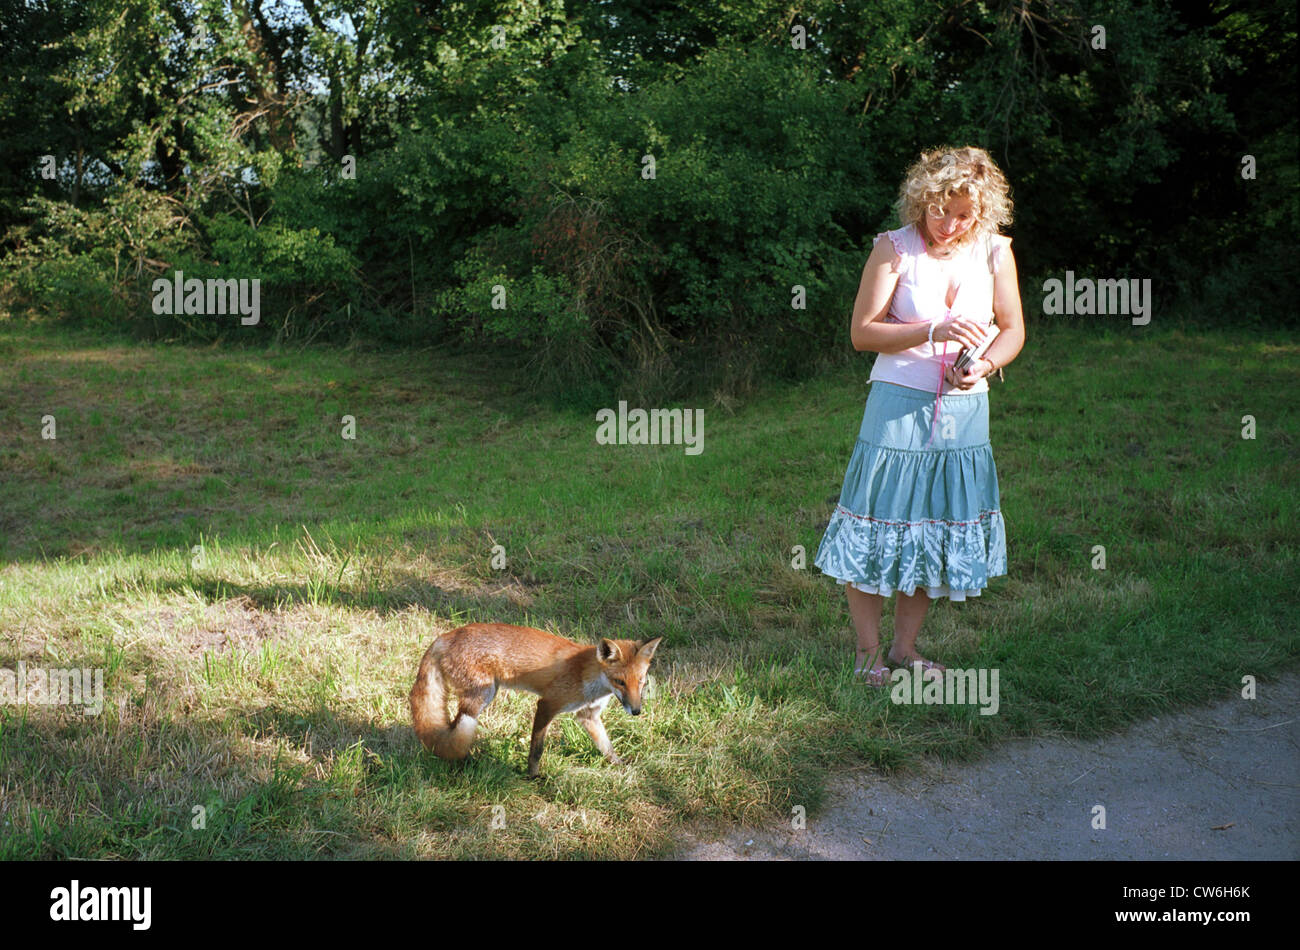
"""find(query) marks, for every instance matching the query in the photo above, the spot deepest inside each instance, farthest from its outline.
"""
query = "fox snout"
(631, 700)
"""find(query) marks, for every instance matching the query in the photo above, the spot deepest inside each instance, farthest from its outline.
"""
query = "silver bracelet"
(930, 336)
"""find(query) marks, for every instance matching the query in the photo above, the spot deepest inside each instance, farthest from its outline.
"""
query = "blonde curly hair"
(969, 172)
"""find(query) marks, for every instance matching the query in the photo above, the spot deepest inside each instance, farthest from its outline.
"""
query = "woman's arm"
(1006, 312)
(874, 293)
(1009, 318)
(879, 280)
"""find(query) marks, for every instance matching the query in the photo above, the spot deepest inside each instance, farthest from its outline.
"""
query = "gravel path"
(1210, 784)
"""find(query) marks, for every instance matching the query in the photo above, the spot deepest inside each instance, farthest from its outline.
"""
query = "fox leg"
(545, 713)
(589, 716)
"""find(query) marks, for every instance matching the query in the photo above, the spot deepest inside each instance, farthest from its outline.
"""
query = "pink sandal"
(875, 677)
(927, 666)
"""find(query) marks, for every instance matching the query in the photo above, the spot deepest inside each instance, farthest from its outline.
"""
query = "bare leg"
(865, 609)
(909, 613)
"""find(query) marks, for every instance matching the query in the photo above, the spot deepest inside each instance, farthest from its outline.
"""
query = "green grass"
(259, 590)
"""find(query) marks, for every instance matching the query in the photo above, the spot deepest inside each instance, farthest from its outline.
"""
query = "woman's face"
(947, 224)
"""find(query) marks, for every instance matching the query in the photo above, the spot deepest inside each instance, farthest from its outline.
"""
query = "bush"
(308, 283)
(665, 283)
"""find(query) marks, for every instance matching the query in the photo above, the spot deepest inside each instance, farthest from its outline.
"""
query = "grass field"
(258, 590)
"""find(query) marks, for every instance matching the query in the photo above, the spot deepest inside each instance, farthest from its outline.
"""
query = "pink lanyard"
(938, 392)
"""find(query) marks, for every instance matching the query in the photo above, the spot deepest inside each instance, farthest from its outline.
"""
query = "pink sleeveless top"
(921, 296)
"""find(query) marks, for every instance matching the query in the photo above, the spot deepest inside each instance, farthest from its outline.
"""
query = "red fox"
(480, 658)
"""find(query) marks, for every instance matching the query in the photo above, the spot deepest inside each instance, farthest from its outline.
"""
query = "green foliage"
(544, 318)
(92, 264)
(685, 267)
(307, 281)
(280, 256)
(499, 143)
(71, 287)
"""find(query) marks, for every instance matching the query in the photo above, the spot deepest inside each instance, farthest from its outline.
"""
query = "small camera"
(968, 356)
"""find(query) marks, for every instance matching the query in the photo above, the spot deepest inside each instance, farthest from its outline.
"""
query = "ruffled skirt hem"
(953, 560)
(934, 593)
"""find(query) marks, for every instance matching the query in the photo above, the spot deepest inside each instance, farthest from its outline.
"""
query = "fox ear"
(647, 650)
(608, 651)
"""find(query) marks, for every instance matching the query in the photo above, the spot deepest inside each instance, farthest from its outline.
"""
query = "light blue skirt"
(915, 512)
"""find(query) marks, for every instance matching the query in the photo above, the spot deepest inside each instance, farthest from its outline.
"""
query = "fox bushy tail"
(429, 713)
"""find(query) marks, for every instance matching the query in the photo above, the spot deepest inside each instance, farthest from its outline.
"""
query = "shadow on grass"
(501, 598)
(365, 790)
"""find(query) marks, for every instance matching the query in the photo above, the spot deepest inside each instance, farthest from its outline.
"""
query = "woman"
(919, 511)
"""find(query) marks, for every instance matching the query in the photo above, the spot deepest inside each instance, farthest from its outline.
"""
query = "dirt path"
(1166, 785)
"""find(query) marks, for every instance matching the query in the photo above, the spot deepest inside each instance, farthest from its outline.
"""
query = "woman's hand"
(963, 330)
(974, 373)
